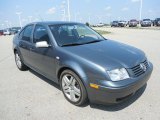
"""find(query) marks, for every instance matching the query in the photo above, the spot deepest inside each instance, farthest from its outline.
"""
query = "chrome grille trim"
(137, 70)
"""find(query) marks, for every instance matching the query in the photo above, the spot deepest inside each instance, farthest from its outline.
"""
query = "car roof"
(54, 22)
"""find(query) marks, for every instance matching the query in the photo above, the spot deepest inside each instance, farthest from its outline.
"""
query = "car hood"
(108, 54)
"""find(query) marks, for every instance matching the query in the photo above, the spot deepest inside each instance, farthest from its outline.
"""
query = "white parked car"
(100, 25)
(6, 32)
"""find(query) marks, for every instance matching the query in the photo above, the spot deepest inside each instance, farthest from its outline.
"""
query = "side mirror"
(42, 44)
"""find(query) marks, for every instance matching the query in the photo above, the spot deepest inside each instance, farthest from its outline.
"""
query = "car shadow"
(45, 79)
(122, 105)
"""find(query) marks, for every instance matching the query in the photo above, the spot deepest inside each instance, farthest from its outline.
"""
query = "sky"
(93, 11)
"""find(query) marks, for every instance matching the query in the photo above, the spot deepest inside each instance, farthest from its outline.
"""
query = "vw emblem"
(143, 67)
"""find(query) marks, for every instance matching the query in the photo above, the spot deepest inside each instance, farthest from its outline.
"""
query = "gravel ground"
(29, 96)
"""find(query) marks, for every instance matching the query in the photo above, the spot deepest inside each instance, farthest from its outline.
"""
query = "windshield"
(133, 20)
(74, 34)
(146, 20)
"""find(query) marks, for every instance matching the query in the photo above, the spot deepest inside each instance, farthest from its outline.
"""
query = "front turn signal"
(94, 86)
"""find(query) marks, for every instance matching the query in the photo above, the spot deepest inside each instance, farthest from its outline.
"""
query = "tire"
(21, 66)
(71, 84)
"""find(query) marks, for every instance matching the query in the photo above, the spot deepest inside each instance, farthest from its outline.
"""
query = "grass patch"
(103, 32)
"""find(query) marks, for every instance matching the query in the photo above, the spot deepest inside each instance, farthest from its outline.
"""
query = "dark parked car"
(146, 23)
(133, 23)
(114, 24)
(1, 32)
(157, 22)
(86, 65)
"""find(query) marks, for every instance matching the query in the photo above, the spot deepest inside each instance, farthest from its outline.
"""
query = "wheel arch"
(78, 71)
(15, 50)
(83, 79)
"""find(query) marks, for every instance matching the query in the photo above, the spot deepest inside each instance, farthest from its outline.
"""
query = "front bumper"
(121, 25)
(117, 94)
(145, 25)
(114, 25)
(132, 25)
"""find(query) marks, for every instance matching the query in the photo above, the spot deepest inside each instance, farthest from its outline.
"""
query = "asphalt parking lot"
(27, 95)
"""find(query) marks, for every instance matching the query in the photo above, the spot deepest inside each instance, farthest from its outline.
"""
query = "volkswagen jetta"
(86, 65)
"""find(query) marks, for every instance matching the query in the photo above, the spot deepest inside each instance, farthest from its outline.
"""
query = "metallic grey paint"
(89, 61)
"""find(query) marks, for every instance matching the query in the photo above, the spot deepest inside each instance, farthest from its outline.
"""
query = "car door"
(43, 59)
(25, 43)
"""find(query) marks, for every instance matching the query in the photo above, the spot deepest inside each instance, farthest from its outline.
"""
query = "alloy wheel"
(71, 88)
(18, 60)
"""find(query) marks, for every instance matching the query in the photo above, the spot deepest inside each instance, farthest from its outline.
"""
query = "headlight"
(118, 74)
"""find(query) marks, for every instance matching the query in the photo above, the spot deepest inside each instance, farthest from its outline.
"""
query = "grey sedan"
(86, 65)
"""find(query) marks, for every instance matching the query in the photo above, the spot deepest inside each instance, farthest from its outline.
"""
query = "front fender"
(73, 66)
(87, 71)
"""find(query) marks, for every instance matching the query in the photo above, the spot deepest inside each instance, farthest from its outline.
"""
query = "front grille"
(137, 70)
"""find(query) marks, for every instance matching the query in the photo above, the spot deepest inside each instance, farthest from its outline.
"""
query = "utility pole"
(19, 16)
(140, 10)
(68, 6)
(63, 9)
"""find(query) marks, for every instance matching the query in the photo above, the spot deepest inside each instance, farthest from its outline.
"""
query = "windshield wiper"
(71, 44)
(94, 41)
(75, 44)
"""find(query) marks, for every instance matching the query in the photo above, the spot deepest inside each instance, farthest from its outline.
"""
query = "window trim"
(23, 30)
(34, 33)
(20, 33)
